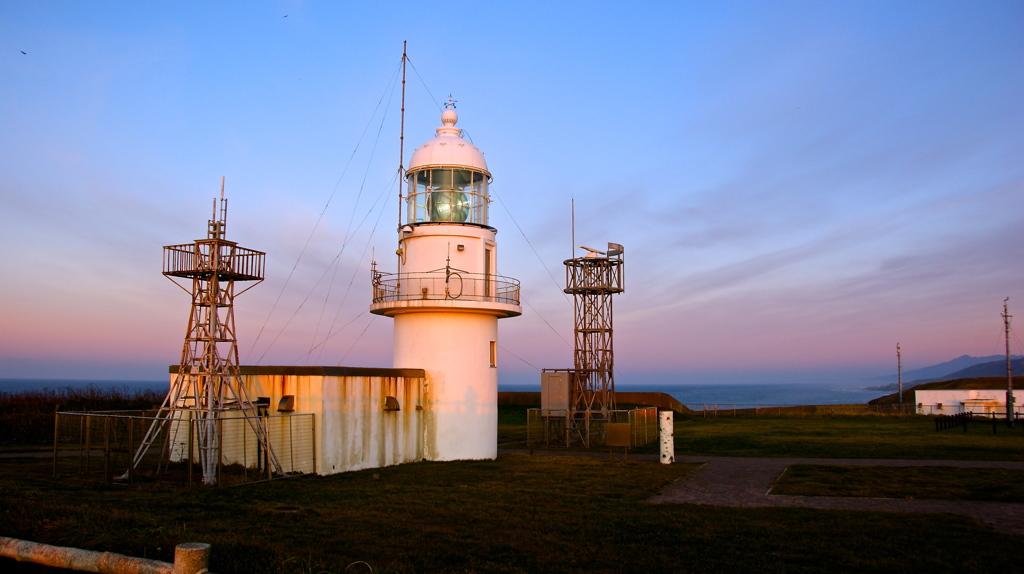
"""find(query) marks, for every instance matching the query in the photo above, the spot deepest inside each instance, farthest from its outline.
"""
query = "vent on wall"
(286, 404)
(391, 404)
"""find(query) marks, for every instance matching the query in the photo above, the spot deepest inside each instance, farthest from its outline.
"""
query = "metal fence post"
(106, 449)
(267, 451)
(219, 439)
(190, 450)
(312, 436)
(291, 445)
(88, 442)
(131, 455)
(56, 433)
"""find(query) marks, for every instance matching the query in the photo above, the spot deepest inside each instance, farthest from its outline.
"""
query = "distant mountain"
(980, 383)
(958, 368)
(992, 369)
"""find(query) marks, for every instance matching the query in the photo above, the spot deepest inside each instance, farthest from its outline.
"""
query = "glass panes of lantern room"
(451, 195)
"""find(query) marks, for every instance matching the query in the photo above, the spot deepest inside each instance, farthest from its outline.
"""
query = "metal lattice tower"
(592, 280)
(208, 383)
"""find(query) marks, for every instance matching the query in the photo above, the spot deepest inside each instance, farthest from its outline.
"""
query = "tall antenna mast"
(401, 145)
(1009, 365)
(899, 374)
(572, 210)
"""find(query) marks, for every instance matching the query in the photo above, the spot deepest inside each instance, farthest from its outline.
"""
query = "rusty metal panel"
(619, 434)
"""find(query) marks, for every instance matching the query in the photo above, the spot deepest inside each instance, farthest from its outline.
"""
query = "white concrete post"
(668, 440)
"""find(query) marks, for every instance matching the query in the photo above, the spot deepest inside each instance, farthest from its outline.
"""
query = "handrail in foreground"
(189, 558)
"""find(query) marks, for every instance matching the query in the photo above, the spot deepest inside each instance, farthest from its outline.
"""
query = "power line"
(362, 256)
(518, 357)
(348, 230)
(312, 231)
(424, 83)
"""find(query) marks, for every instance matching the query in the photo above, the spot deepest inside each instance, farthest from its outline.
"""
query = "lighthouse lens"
(447, 195)
(450, 206)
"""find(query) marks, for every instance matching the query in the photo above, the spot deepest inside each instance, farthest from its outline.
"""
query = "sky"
(798, 185)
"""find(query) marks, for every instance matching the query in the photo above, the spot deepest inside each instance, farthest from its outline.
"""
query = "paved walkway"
(747, 482)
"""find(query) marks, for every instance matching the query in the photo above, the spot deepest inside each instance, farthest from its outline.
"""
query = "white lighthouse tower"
(447, 297)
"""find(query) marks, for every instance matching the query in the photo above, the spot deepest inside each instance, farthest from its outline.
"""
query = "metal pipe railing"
(189, 558)
(442, 285)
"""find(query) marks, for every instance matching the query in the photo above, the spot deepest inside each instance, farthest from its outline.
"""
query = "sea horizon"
(690, 394)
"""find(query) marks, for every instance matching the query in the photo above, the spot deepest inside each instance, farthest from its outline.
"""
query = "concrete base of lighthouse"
(460, 394)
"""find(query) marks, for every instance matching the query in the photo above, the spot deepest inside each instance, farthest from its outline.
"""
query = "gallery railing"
(444, 285)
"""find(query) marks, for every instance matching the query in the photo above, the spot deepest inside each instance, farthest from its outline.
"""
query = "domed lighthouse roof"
(448, 149)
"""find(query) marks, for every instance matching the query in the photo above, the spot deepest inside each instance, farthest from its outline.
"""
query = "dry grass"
(523, 513)
(26, 418)
(936, 482)
(520, 513)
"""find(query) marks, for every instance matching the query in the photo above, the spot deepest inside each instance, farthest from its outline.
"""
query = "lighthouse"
(446, 297)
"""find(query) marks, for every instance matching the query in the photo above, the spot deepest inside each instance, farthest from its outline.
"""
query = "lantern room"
(447, 179)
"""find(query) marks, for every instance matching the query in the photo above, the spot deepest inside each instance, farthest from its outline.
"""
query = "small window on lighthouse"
(494, 354)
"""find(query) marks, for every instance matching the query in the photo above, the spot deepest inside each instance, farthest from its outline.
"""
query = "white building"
(955, 401)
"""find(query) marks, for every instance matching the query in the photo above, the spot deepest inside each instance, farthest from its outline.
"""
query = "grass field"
(936, 483)
(520, 513)
(841, 436)
(535, 513)
(913, 437)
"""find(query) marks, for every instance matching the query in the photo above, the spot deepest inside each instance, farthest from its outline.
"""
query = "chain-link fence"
(566, 427)
(183, 448)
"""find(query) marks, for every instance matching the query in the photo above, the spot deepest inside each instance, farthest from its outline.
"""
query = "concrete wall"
(353, 430)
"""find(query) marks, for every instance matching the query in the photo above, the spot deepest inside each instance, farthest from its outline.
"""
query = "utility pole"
(1009, 366)
(899, 374)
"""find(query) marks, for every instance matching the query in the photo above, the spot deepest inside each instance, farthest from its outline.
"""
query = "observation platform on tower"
(204, 257)
(599, 272)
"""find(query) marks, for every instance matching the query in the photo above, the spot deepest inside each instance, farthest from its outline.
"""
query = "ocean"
(21, 385)
(692, 395)
(764, 394)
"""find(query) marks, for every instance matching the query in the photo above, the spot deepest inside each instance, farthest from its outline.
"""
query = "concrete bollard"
(668, 439)
(191, 558)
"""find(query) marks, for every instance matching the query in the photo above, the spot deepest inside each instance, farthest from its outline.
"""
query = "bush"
(27, 417)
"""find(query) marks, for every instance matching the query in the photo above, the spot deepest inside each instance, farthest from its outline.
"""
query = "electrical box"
(555, 390)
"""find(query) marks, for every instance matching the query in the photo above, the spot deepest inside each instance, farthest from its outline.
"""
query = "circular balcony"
(445, 289)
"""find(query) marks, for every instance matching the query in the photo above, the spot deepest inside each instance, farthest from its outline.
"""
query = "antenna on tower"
(592, 280)
(899, 374)
(572, 211)
(1009, 365)
(208, 389)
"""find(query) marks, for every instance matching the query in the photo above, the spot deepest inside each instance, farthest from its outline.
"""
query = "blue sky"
(798, 185)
